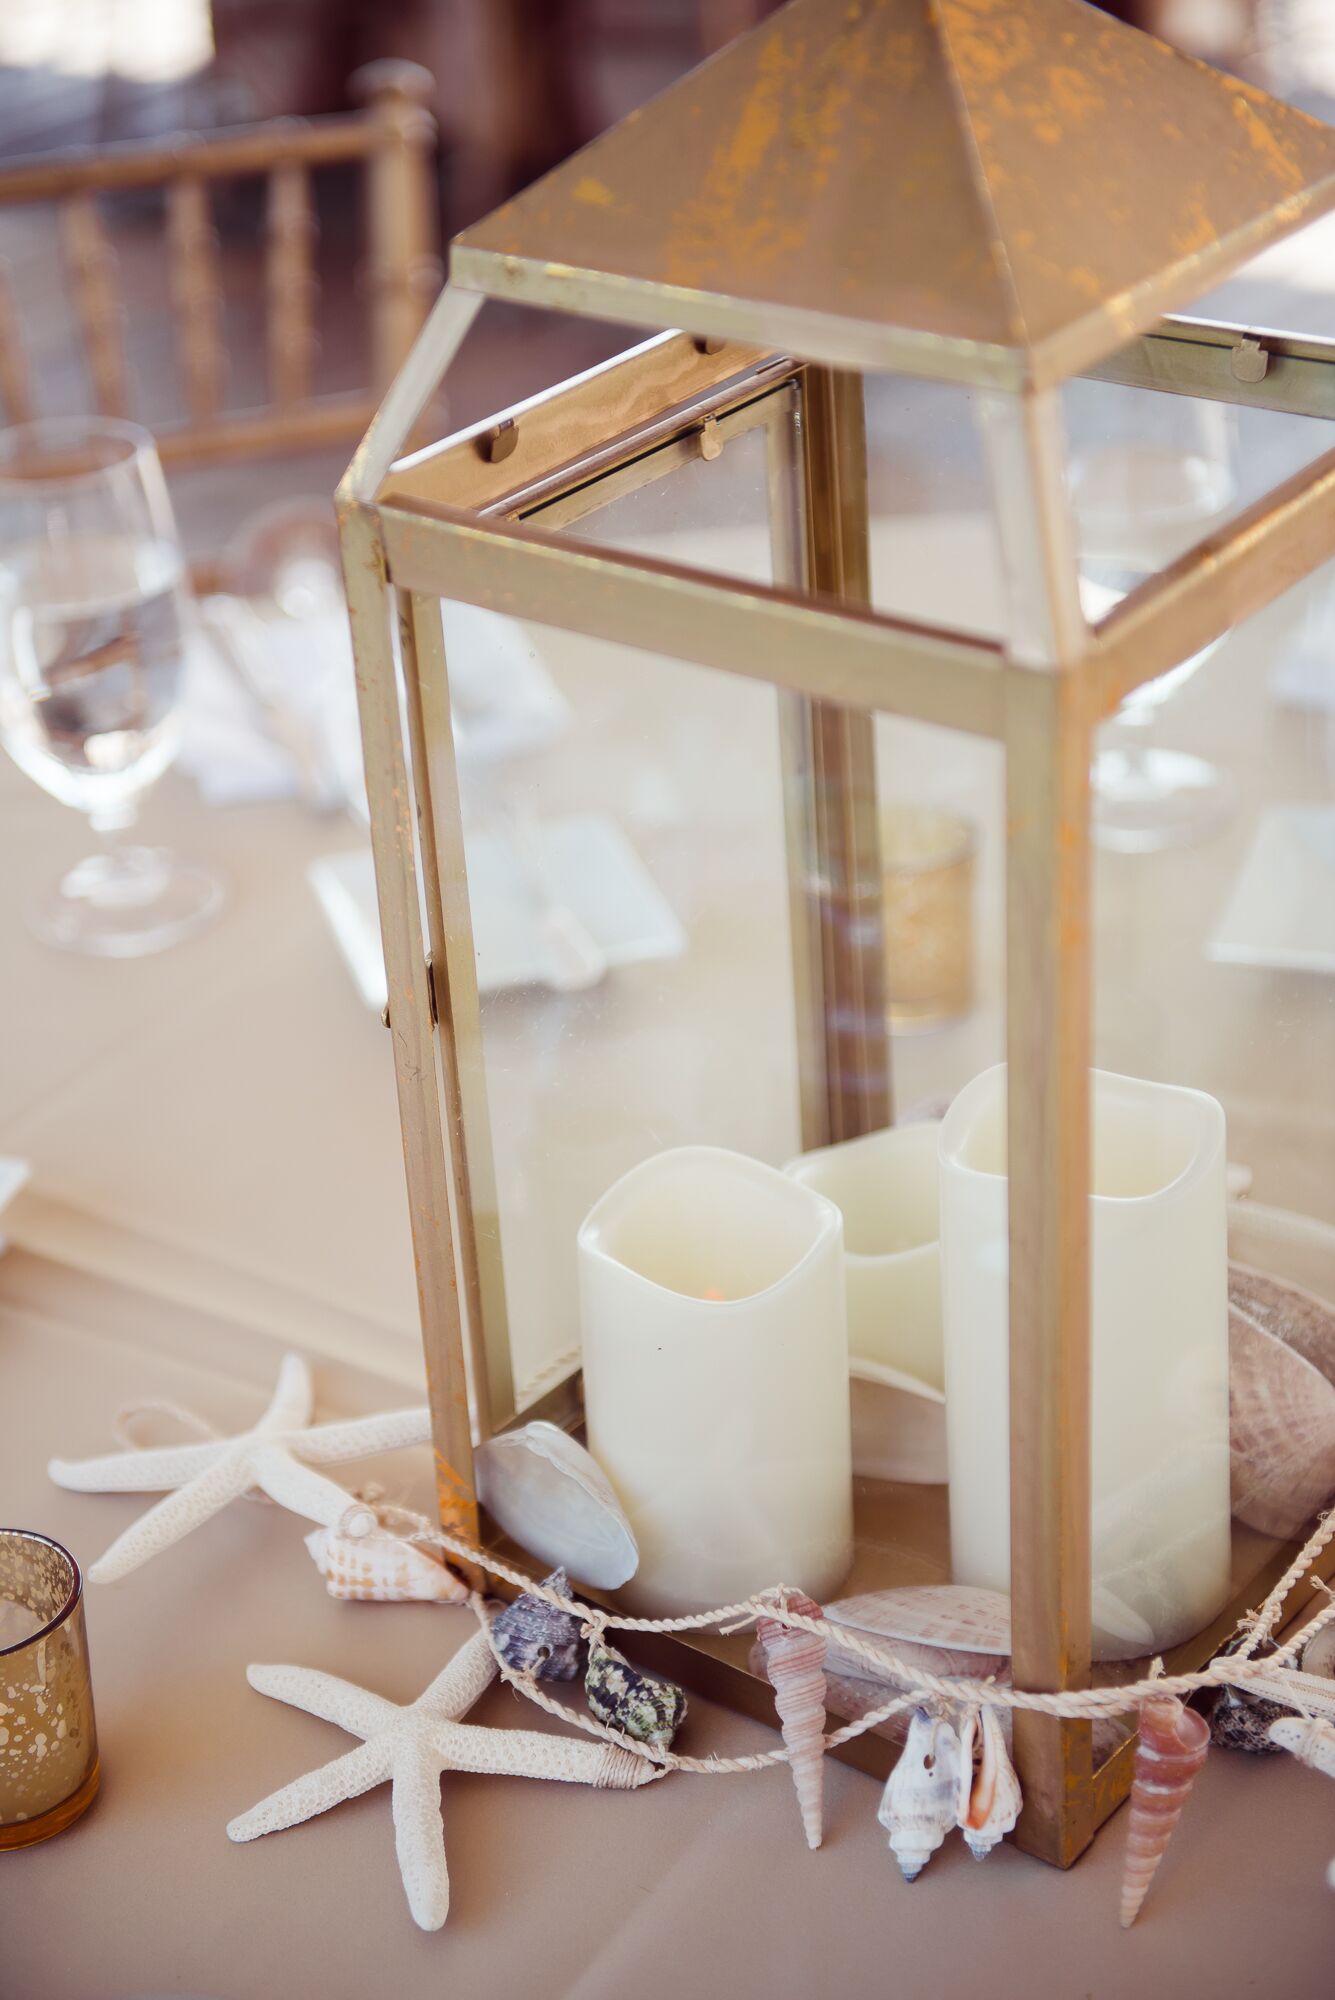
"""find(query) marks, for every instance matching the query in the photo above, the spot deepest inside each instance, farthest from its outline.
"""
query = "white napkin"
(270, 706)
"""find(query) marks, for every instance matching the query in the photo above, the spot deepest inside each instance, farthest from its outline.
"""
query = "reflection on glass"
(1148, 476)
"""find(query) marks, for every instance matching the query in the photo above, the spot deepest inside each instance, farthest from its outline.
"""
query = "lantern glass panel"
(1214, 969)
(935, 550)
(647, 831)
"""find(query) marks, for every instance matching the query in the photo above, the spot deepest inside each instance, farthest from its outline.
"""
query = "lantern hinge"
(1249, 361)
(430, 997)
(711, 438)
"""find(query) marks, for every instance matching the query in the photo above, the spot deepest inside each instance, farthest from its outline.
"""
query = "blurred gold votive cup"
(48, 1739)
(928, 858)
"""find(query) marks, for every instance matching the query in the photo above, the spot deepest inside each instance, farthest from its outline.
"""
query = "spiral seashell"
(533, 1637)
(1173, 1744)
(382, 1568)
(918, 1804)
(989, 1798)
(795, 1667)
(1311, 1739)
(626, 1698)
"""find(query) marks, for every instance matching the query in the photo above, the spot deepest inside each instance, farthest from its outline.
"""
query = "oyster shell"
(553, 1498)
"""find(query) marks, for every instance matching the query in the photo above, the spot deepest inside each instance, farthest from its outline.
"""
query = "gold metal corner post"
(842, 836)
(411, 1014)
(1047, 742)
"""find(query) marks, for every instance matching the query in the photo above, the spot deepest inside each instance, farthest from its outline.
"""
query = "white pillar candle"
(886, 1187)
(1158, 1360)
(716, 1377)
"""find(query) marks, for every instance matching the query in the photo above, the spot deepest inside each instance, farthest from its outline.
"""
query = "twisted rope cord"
(957, 1691)
(1270, 1610)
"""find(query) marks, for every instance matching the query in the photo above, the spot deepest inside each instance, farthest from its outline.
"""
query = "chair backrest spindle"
(92, 267)
(391, 143)
(291, 285)
(15, 390)
(196, 289)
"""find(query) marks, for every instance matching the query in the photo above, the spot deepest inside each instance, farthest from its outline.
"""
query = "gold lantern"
(966, 205)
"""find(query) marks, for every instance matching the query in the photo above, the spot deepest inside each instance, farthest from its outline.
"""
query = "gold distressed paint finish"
(910, 184)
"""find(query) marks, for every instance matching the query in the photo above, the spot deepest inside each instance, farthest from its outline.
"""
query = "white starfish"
(410, 1746)
(200, 1479)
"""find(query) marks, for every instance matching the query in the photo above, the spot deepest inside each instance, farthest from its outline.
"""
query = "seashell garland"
(1281, 1362)
(382, 1568)
(919, 1802)
(639, 1704)
(989, 1798)
(1173, 1745)
(795, 1665)
(1308, 1738)
(556, 1501)
(535, 1638)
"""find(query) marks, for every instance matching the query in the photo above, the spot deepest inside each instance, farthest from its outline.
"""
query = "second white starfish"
(199, 1479)
(409, 1747)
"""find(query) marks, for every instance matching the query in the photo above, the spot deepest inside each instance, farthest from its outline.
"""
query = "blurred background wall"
(519, 83)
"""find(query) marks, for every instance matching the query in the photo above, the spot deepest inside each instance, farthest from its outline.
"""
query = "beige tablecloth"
(697, 1885)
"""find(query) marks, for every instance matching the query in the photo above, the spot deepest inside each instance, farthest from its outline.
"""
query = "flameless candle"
(1158, 1360)
(885, 1185)
(722, 1421)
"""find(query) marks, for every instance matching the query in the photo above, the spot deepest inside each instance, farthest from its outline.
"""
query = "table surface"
(218, 1171)
(697, 1884)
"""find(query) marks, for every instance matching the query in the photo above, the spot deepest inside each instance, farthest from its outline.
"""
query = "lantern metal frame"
(475, 518)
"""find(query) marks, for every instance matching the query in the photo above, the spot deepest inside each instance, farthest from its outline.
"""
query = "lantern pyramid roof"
(997, 191)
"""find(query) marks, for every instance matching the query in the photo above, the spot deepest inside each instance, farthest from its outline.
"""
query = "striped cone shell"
(1173, 1744)
(382, 1569)
(795, 1667)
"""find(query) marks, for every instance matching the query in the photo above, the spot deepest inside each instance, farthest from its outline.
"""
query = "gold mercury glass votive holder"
(928, 859)
(48, 1739)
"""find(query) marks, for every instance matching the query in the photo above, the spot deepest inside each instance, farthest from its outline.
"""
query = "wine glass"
(93, 622)
(1149, 475)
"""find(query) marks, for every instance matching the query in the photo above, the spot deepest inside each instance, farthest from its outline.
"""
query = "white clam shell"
(553, 1498)
(899, 1425)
